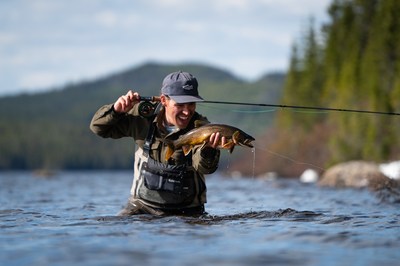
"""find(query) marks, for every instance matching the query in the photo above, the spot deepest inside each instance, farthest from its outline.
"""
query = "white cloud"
(8, 38)
(106, 18)
(172, 3)
(224, 6)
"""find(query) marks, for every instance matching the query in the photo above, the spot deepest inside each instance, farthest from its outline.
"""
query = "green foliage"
(304, 82)
(358, 68)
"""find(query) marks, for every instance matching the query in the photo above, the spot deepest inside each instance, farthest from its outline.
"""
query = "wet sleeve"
(109, 124)
(206, 160)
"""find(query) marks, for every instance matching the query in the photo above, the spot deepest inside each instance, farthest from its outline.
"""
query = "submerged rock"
(357, 174)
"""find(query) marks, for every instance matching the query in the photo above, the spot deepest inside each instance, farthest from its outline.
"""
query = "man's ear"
(164, 100)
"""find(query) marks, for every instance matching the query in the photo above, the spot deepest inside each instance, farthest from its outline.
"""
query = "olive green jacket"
(109, 124)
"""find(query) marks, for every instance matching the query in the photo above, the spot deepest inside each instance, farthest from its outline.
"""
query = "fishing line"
(254, 161)
(305, 107)
(310, 112)
(291, 159)
(239, 110)
(261, 111)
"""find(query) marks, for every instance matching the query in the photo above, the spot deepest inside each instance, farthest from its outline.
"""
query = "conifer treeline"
(352, 62)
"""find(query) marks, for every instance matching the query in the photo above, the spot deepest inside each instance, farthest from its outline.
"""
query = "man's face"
(178, 114)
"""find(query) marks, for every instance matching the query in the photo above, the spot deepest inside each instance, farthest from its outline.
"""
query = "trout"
(201, 135)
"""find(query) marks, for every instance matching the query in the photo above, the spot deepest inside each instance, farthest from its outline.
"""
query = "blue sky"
(46, 44)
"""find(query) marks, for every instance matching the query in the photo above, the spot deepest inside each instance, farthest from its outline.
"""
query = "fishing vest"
(163, 185)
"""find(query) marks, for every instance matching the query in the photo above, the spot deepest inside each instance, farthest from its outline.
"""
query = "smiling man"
(160, 187)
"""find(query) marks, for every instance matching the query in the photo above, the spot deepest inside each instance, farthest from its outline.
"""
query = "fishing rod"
(156, 98)
(305, 107)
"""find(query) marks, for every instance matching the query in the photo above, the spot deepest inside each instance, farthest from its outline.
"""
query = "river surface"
(69, 219)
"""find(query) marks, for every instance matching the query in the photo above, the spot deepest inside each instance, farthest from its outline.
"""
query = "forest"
(352, 61)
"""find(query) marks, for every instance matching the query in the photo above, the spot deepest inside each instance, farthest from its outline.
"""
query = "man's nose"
(186, 109)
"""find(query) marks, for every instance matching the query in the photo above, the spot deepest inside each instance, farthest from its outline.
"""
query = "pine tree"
(378, 71)
(293, 79)
(341, 75)
(304, 81)
(357, 67)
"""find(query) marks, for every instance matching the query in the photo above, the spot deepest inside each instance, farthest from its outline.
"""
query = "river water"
(69, 219)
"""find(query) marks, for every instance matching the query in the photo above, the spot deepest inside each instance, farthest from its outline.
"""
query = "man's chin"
(183, 124)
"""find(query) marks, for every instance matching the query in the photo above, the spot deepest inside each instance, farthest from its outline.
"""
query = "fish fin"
(169, 151)
(229, 146)
(187, 149)
(202, 145)
(231, 149)
(199, 123)
(170, 148)
(235, 136)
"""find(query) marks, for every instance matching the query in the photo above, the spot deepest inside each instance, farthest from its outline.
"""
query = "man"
(160, 187)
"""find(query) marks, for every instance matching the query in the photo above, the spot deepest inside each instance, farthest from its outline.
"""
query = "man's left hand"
(216, 140)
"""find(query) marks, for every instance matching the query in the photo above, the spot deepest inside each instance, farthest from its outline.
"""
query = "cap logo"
(187, 87)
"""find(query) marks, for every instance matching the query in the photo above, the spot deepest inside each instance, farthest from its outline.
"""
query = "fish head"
(243, 139)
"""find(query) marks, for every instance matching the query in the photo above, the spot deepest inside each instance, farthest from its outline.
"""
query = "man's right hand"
(126, 102)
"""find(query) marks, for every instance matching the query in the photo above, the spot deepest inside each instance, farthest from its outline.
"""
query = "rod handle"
(150, 98)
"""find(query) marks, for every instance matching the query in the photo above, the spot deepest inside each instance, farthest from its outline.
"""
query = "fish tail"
(187, 149)
(170, 149)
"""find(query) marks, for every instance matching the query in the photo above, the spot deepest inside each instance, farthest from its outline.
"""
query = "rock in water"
(356, 174)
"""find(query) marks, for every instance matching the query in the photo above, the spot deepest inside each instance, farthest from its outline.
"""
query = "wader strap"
(150, 133)
(149, 140)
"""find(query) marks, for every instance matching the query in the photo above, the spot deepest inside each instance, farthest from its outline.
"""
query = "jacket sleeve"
(107, 123)
(206, 159)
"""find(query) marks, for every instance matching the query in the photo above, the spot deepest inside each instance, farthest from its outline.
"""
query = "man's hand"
(126, 102)
(216, 140)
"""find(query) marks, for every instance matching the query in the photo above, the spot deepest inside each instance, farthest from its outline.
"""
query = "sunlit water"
(69, 219)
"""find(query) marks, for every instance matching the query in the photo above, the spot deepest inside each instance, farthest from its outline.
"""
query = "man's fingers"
(223, 141)
(126, 102)
(214, 140)
(212, 137)
(132, 96)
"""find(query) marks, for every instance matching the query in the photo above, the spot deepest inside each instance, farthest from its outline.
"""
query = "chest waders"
(163, 185)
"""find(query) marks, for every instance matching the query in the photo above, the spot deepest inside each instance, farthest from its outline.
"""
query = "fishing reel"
(146, 107)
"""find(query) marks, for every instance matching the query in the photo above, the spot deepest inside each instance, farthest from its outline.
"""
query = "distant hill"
(51, 130)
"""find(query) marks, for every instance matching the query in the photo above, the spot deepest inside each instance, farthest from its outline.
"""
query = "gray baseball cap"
(181, 87)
